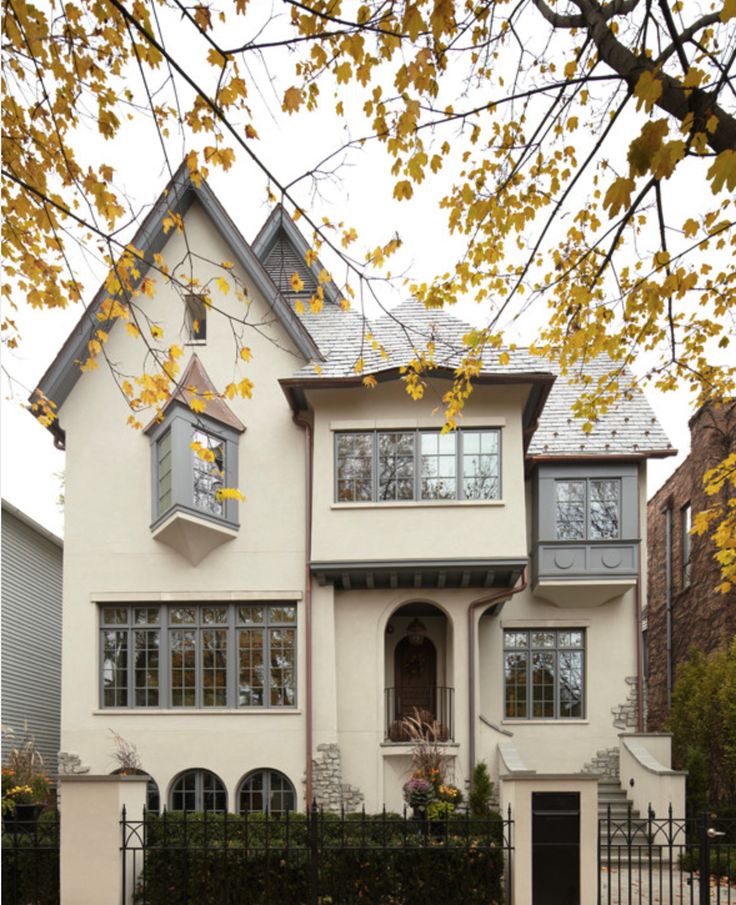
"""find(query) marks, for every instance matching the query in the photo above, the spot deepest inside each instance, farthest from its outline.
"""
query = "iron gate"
(667, 861)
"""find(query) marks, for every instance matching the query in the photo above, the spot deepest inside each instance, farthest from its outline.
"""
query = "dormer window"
(196, 318)
(194, 457)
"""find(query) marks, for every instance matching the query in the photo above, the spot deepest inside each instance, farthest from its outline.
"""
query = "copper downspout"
(486, 600)
(308, 602)
(639, 645)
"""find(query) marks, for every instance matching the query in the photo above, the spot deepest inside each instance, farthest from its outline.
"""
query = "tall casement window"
(208, 472)
(266, 791)
(198, 790)
(198, 656)
(686, 520)
(196, 316)
(544, 674)
(588, 509)
(390, 466)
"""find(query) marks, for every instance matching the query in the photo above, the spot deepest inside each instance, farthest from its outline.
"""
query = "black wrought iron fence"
(303, 859)
(30, 858)
(668, 860)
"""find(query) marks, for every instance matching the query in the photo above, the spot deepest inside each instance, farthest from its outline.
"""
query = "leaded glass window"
(208, 472)
(266, 791)
(267, 656)
(199, 791)
(200, 655)
(388, 466)
(588, 509)
(544, 673)
(354, 467)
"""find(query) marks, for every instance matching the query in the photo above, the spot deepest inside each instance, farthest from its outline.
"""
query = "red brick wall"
(701, 616)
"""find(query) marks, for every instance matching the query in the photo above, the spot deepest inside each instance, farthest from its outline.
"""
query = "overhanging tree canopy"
(566, 138)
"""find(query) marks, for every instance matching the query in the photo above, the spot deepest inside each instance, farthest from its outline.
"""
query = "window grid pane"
(208, 473)
(438, 466)
(267, 790)
(195, 662)
(480, 465)
(355, 467)
(396, 466)
(547, 682)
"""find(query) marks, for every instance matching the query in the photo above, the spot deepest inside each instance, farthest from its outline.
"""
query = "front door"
(415, 676)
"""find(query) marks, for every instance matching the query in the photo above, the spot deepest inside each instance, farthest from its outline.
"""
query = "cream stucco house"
(262, 653)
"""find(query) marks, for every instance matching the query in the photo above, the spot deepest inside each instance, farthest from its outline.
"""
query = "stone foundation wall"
(625, 715)
(330, 792)
(605, 763)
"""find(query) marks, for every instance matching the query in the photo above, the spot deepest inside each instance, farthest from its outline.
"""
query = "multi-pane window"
(544, 673)
(588, 509)
(208, 472)
(130, 656)
(163, 452)
(198, 655)
(382, 466)
(686, 520)
(198, 790)
(266, 791)
(266, 637)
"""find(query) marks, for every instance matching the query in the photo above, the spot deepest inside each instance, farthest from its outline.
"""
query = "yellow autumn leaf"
(250, 132)
(723, 171)
(648, 91)
(293, 98)
(571, 69)
(403, 190)
(197, 405)
(156, 331)
(729, 10)
(369, 381)
(690, 227)
(133, 330)
(296, 282)
(223, 285)
(230, 493)
(245, 353)
(245, 388)
(618, 196)
(215, 58)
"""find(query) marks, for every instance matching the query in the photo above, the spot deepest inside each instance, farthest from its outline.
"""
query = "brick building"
(684, 609)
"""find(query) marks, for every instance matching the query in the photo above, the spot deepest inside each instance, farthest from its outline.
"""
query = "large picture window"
(588, 509)
(544, 674)
(389, 466)
(198, 655)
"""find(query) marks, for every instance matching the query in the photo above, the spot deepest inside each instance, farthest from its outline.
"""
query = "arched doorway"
(417, 647)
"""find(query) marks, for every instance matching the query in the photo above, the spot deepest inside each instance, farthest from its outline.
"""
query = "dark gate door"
(415, 674)
(555, 848)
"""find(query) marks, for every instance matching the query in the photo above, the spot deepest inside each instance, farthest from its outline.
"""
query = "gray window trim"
(587, 480)
(417, 432)
(529, 688)
(268, 772)
(199, 775)
(166, 626)
(182, 422)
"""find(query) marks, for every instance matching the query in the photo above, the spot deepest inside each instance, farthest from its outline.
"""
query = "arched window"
(198, 790)
(266, 791)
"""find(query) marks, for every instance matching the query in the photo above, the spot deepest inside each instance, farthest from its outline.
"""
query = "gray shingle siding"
(31, 635)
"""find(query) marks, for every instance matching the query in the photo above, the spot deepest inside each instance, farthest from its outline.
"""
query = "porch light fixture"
(416, 631)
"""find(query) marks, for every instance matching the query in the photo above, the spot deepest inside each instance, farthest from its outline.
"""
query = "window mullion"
(197, 658)
(130, 702)
(231, 667)
(459, 477)
(266, 656)
(374, 469)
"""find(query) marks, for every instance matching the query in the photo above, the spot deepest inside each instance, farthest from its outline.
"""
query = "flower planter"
(24, 819)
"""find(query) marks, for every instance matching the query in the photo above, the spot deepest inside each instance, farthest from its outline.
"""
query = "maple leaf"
(296, 282)
(293, 99)
(648, 90)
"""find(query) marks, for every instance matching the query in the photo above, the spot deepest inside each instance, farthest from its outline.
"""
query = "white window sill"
(418, 504)
(549, 722)
(197, 711)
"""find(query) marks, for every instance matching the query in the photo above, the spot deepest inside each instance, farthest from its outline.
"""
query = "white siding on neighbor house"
(31, 635)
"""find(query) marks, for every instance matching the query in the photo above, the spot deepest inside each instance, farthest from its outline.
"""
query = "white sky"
(359, 193)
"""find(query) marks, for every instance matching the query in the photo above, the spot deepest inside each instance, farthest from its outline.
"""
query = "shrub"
(481, 791)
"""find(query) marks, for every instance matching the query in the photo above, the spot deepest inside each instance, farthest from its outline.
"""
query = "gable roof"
(178, 196)
(195, 383)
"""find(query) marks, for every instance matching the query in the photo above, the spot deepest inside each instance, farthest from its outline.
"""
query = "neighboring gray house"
(31, 633)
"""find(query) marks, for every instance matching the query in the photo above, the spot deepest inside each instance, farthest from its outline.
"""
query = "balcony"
(430, 703)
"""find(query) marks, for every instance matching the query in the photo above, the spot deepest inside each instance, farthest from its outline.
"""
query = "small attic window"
(196, 318)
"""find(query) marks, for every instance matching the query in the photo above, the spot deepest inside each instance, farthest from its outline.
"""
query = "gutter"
(485, 601)
(308, 707)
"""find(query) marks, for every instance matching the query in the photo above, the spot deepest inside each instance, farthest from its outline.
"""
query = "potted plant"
(25, 787)
(418, 793)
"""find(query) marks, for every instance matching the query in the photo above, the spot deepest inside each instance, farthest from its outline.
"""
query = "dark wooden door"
(415, 677)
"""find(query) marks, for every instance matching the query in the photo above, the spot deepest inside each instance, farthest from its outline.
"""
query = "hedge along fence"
(30, 860)
(384, 859)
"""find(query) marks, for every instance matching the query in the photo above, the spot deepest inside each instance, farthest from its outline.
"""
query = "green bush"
(481, 791)
(367, 859)
(703, 723)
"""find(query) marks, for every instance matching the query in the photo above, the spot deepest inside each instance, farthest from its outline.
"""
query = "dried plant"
(125, 754)
(24, 759)
(425, 734)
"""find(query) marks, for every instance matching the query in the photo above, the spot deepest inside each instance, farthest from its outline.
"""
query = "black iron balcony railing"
(431, 704)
